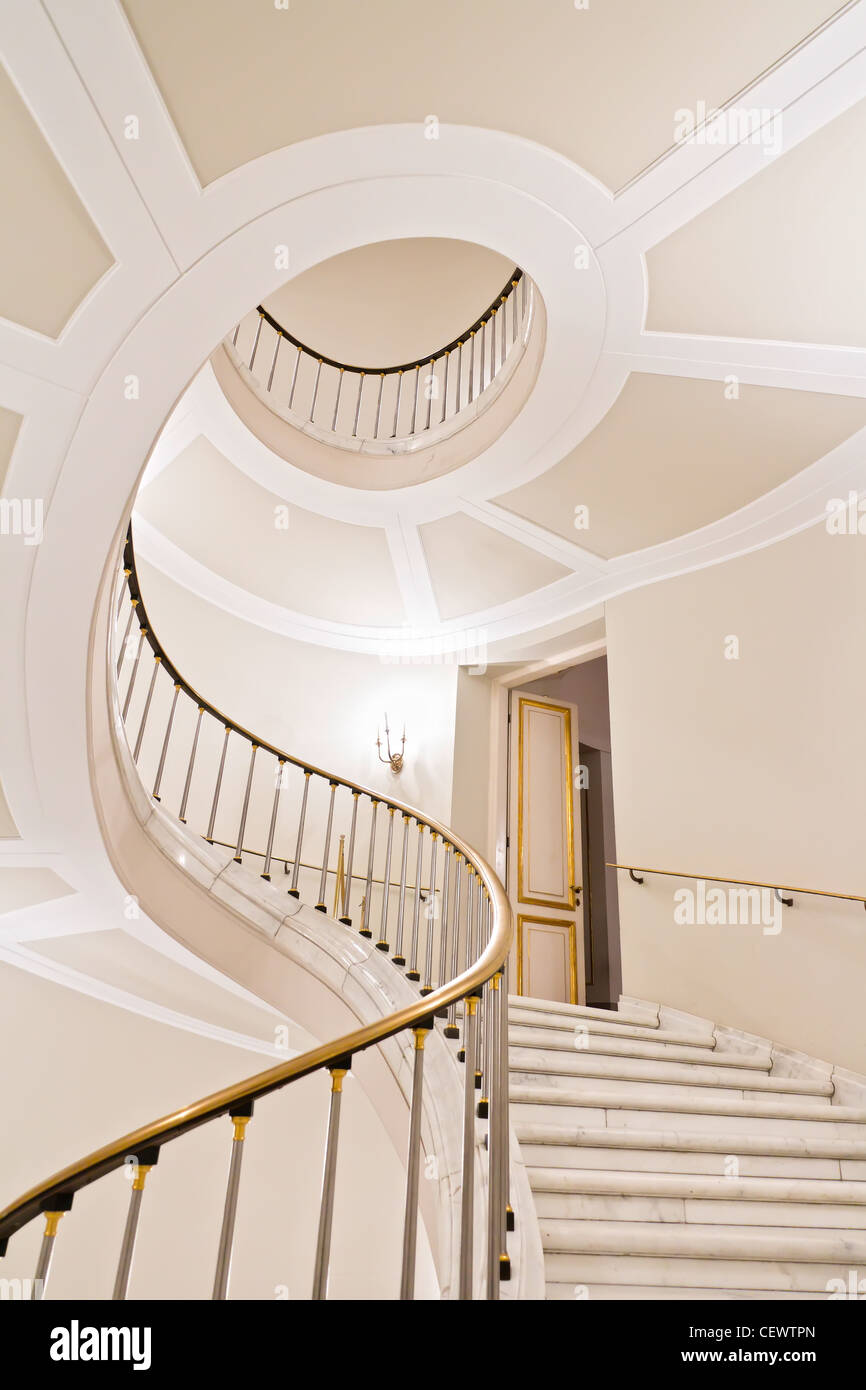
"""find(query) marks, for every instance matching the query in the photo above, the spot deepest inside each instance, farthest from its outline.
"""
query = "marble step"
(645, 1293)
(625, 1014)
(656, 1275)
(607, 1110)
(555, 1023)
(694, 1187)
(787, 1216)
(684, 1241)
(610, 1045)
(586, 1065)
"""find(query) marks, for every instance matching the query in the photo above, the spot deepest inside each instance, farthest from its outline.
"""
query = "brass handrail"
(493, 307)
(62, 1185)
(740, 882)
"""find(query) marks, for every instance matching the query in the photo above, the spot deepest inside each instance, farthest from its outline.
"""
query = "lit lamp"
(395, 760)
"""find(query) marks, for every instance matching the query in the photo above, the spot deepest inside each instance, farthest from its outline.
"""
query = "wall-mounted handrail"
(474, 932)
(407, 402)
(776, 887)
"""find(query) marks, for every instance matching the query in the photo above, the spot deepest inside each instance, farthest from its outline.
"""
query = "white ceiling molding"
(413, 574)
(838, 371)
(525, 532)
(820, 80)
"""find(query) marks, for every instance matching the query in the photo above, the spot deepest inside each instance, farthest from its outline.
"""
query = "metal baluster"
(379, 405)
(481, 372)
(256, 343)
(415, 403)
(161, 768)
(296, 867)
(142, 633)
(326, 1210)
(398, 957)
(315, 391)
(427, 987)
(239, 846)
(471, 367)
(494, 1140)
(321, 906)
(478, 947)
(451, 1029)
(266, 871)
(504, 318)
(216, 790)
(142, 1165)
(358, 405)
(188, 782)
(443, 925)
(368, 911)
(145, 711)
(397, 406)
(514, 311)
(459, 377)
(124, 589)
(413, 973)
(413, 1164)
(487, 1074)
(59, 1206)
(492, 346)
(274, 362)
(382, 943)
(133, 604)
(467, 1193)
(337, 401)
(430, 392)
(240, 1116)
(468, 955)
(347, 903)
(445, 387)
(294, 381)
(523, 297)
(506, 1215)
(235, 336)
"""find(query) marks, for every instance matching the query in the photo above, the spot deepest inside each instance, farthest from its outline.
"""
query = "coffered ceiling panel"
(50, 252)
(321, 567)
(473, 567)
(782, 256)
(20, 887)
(674, 454)
(598, 82)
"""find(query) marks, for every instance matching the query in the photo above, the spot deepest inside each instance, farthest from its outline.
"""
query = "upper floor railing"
(385, 409)
(442, 915)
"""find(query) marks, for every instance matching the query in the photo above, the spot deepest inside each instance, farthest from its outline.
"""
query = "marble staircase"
(670, 1158)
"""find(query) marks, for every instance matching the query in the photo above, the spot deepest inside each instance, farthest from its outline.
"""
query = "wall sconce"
(395, 760)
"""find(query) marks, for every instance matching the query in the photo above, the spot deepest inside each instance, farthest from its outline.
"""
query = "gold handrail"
(740, 882)
(172, 1126)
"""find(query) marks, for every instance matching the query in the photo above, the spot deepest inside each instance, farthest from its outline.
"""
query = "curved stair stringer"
(317, 972)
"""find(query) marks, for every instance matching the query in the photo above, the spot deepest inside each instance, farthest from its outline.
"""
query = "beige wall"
(750, 767)
(86, 1072)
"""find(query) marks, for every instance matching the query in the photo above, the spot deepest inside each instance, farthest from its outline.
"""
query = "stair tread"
(564, 1290)
(589, 1181)
(554, 1006)
(582, 1063)
(691, 1240)
(788, 1108)
(647, 1049)
(696, 1141)
(554, 1023)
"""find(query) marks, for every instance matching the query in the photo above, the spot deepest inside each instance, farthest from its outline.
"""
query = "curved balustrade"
(443, 918)
(385, 408)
